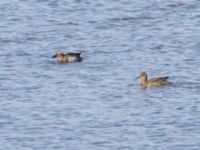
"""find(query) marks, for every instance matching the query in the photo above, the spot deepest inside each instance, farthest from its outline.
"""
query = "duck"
(154, 82)
(67, 57)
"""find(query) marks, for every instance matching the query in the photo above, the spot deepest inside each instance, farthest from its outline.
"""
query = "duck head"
(143, 76)
(58, 54)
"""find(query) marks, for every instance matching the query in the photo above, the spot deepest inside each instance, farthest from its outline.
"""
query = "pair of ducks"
(145, 83)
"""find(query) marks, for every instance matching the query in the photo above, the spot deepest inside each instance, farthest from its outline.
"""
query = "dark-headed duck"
(67, 57)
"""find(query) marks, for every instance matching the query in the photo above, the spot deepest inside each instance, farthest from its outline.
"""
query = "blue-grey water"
(98, 104)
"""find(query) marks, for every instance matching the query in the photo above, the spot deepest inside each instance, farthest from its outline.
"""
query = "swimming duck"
(67, 57)
(154, 82)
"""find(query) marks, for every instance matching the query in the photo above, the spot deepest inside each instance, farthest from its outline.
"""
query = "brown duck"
(154, 82)
(67, 57)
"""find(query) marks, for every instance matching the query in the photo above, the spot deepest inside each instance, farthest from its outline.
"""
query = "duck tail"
(165, 78)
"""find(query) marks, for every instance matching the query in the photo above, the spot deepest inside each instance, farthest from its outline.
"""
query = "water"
(97, 104)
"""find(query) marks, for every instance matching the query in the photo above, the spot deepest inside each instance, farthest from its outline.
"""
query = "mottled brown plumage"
(67, 57)
(154, 82)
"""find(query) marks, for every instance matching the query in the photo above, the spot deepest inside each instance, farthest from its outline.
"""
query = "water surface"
(97, 104)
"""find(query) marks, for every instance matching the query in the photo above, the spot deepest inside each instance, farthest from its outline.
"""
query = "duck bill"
(137, 77)
(54, 56)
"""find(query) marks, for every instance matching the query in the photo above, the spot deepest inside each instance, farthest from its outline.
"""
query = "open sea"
(98, 104)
